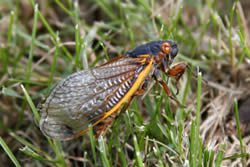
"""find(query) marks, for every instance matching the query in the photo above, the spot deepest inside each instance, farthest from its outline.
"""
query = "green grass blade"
(55, 56)
(137, 152)
(63, 7)
(9, 153)
(242, 146)
(31, 104)
(103, 152)
(10, 29)
(92, 143)
(34, 27)
(220, 156)
(198, 107)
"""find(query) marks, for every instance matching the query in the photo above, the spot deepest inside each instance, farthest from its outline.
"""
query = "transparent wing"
(83, 97)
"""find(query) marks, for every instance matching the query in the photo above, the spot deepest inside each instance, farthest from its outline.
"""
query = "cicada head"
(166, 49)
(163, 52)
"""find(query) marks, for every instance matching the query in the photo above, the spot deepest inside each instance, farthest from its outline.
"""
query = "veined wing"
(88, 96)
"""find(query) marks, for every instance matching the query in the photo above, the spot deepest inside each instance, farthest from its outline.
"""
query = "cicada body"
(94, 96)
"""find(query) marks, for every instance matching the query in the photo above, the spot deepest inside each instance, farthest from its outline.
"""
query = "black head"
(167, 47)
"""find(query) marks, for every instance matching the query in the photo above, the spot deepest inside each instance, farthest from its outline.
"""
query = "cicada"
(94, 97)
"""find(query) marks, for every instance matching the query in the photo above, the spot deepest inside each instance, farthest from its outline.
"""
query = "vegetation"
(42, 42)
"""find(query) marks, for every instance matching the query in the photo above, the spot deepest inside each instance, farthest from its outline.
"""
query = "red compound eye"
(166, 47)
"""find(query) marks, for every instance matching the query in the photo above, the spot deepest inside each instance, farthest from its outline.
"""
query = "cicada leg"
(158, 78)
(139, 92)
(101, 128)
(142, 89)
(177, 71)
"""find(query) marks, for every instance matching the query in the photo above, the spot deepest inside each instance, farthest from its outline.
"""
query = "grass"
(43, 43)
(9, 153)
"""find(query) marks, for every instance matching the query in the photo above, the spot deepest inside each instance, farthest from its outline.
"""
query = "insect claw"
(177, 89)
(177, 101)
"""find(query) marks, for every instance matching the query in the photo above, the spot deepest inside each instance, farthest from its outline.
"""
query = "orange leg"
(142, 89)
(165, 87)
(101, 128)
(139, 92)
(177, 71)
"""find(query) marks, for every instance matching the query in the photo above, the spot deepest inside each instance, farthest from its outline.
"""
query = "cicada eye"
(166, 48)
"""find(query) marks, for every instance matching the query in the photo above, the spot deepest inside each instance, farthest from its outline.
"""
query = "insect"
(94, 96)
